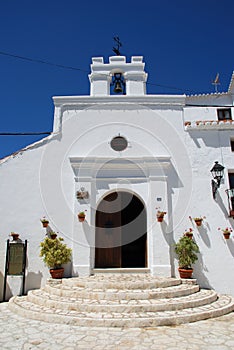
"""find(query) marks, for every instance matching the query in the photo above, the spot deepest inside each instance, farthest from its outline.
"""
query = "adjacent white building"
(130, 154)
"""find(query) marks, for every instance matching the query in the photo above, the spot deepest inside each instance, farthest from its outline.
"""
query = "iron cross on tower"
(118, 44)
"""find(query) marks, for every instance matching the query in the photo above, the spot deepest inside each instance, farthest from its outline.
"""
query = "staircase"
(121, 300)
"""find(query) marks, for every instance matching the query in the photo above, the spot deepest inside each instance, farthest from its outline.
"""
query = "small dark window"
(231, 179)
(232, 145)
(224, 114)
(119, 143)
(230, 192)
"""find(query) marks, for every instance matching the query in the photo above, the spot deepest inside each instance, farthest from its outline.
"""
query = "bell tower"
(132, 75)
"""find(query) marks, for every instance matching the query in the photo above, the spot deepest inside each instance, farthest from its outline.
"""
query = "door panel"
(120, 232)
(108, 233)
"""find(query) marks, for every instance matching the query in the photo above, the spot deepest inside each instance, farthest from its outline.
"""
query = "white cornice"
(113, 167)
(164, 100)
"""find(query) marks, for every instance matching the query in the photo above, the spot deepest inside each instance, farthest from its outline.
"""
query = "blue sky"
(184, 44)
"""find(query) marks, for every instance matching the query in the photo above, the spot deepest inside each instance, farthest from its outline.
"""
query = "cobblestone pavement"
(17, 332)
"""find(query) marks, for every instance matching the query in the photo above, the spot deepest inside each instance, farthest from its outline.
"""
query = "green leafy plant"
(54, 252)
(186, 250)
(197, 218)
(226, 230)
(160, 213)
(43, 220)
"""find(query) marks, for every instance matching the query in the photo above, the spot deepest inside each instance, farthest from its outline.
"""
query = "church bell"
(118, 88)
(118, 83)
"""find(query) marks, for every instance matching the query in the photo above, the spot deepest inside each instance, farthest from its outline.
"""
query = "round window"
(119, 143)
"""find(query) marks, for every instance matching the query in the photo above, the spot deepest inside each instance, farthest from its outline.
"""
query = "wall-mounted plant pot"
(160, 218)
(57, 273)
(189, 234)
(81, 218)
(198, 222)
(185, 273)
(53, 235)
(226, 235)
(15, 236)
(45, 223)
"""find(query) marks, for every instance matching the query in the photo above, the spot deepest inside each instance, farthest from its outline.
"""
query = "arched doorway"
(121, 237)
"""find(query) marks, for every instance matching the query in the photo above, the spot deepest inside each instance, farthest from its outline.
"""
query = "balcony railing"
(209, 124)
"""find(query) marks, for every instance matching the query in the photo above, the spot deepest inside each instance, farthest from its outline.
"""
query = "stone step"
(64, 290)
(121, 281)
(224, 304)
(42, 298)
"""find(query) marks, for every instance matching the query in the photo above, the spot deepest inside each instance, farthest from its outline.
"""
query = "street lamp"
(217, 173)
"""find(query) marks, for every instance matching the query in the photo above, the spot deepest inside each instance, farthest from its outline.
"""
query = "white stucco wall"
(166, 165)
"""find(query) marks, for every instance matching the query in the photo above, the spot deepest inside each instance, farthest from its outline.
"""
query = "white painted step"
(42, 298)
(224, 304)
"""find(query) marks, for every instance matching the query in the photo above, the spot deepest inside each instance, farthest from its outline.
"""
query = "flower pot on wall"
(226, 235)
(57, 273)
(15, 236)
(189, 234)
(44, 221)
(81, 218)
(185, 273)
(160, 215)
(198, 222)
(160, 218)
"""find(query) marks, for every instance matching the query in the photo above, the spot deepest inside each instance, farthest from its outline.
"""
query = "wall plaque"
(16, 259)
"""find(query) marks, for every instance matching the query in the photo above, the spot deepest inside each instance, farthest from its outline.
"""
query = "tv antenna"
(216, 82)
(118, 45)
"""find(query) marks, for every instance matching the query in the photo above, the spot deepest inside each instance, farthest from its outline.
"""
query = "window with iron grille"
(224, 114)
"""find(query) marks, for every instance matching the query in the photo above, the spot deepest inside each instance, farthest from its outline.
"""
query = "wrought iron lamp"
(217, 173)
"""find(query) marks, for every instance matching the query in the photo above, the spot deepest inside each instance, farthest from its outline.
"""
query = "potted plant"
(186, 250)
(15, 236)
(81, 216)
(44, 221)
(52, 235)
(160, 215)
(189, 233)
(198, 220)
(55, 253)
(226, 232)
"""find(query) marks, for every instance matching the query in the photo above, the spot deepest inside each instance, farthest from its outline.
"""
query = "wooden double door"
(121, 237)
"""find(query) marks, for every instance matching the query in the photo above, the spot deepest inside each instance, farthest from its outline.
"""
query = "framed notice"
(16, 259)
(15, 265)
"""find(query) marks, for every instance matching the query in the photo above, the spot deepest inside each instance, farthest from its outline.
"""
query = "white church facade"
(121, 158)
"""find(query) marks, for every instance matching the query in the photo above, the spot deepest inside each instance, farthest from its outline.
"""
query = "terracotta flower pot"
(226, 235)
(189, 234)
(160, 218)
(53, 235)
(45, 223)
(81, 218)
(198, 222)
(185, 273)
(57, 273)
(15, 236)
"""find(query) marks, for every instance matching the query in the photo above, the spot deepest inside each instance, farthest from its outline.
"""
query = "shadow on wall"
(199, 270)
(8, 290)
(33, 280)
(230, 245)
(203, 234)
(209, 138)
(221, 204)
(171, 243)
